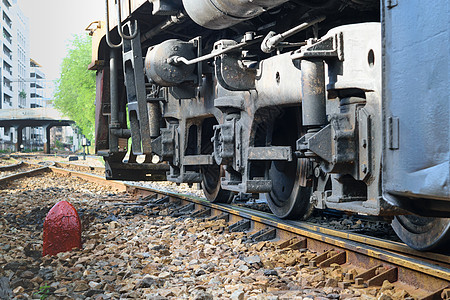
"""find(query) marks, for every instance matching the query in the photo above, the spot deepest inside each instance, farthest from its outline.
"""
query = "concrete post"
(47, 138)
(18, 140)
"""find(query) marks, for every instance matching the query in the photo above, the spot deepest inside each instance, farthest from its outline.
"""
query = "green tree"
(75, 88)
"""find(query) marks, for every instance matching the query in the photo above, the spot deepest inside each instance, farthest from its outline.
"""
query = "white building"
(15, 61)
(22, 80)
(37, 96)
(34, 136)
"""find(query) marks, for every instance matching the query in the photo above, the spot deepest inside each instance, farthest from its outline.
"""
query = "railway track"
(373, 261)
(18, 169)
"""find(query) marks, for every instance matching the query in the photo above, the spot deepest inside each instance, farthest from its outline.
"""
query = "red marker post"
(62, 229)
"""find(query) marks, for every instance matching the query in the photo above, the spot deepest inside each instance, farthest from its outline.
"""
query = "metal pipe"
(114, 99)
(121, 132)
(111, 45)
(119, 24)
(179, 18)
(114, 87)
(313, 93)
(154, 118)
(272, 39)
(179, 59)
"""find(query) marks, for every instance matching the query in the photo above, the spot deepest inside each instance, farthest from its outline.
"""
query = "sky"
(52, 25)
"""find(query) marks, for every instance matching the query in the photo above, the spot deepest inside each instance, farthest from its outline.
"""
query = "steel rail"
(430, 278)
(18, 175)
(397, 247)
(372, 241)
(362, 251)
(11, 167)
(78, 167)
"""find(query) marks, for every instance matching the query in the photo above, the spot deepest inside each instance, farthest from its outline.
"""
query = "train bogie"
(286, 99)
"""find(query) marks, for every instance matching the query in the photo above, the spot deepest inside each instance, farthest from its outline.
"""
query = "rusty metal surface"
(90, 177)
(80, 167)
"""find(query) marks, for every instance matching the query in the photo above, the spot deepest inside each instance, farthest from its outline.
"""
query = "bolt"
(343, 285)
(364, 143)
(317, 172)
(348, 277)
(364, 168)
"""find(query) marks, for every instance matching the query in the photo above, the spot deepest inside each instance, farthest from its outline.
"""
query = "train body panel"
(306, 102)
(416, 104)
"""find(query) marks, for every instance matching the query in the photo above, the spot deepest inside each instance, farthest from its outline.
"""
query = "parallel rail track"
(377, 260)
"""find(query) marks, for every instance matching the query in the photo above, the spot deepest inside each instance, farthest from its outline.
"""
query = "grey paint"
(416, 91)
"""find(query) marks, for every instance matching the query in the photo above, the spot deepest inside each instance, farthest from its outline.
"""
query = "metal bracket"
(270, 153)
(198, 160)
(393, 132)
(265, 234)
(231, 74)
(133, 66)
(365, 144)
(392, 3)
(332, 46)
(164, 145)
(164, 8)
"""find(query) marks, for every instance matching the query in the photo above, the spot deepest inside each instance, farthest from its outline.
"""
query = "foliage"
(44, 292)
(59, 144)
(75, 89)
(22, 94)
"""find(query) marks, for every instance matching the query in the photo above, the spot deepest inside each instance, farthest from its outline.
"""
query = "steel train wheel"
(423, 233)
(211, 185)
(288, 199)
(212, 174)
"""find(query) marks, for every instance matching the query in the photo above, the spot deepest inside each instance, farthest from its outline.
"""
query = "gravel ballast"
(139, 252)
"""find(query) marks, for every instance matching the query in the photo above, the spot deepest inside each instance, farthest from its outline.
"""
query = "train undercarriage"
(277, 99)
